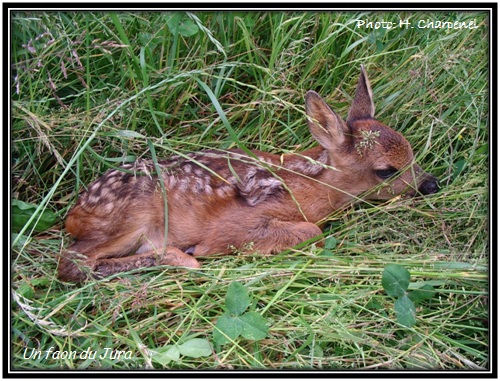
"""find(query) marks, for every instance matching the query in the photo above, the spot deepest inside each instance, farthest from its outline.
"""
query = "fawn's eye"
(386, 173)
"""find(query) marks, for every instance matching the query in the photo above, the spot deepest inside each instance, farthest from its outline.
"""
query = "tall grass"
(96, 89)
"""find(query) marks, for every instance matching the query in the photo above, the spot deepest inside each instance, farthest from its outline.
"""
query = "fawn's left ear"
(362, 107)
(326, 127)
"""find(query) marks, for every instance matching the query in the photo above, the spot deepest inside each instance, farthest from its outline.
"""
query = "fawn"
(216, 201)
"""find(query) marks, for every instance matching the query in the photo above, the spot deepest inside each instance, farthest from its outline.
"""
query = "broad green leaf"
(144, 38)
(330, 243)
(187, 28)
(326, 253)
(22, 212)
(127, 134)
(459, 266)
(374, 305)
(195, 348)
(317, 351)
(458, 167)
(19, 240)
(166, 354)
(179, 23)
(237, 299)
(395, 280)
(405, 311)
(26, 290)
(254, 326)
(423, 293)
(173, 20)
(227, 326)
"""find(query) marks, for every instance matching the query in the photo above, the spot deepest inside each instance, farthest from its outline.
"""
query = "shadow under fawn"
(219, 201)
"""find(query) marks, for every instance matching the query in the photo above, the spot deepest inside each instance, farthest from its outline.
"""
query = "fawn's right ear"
(326, 127)
(362, 107)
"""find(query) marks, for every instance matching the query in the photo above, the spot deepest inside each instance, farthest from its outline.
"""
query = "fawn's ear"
(326, 127)
(362, 107)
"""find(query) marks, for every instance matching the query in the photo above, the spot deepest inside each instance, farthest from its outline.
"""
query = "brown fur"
(221, 200)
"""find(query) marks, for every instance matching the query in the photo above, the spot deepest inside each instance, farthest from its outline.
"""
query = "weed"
(369, 138)
(235, 322)
(395, 280)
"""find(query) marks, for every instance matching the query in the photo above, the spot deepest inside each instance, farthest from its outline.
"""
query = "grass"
(95, 89)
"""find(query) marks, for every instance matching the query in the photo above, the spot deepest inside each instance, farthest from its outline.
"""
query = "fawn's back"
(209, 202)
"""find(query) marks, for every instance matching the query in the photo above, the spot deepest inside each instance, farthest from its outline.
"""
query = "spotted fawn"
(171, 211)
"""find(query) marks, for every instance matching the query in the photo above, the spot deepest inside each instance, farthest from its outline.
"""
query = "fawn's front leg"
(267, 236)
(276, 236)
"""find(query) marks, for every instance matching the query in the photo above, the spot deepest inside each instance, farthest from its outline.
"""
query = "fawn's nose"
(429, 185)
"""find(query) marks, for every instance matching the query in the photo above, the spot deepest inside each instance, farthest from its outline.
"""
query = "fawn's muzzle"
(429, 185)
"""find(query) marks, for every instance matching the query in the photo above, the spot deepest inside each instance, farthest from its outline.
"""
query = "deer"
(172, 211)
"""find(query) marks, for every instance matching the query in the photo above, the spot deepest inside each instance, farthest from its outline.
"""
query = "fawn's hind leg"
(72, 271)
(172, 256)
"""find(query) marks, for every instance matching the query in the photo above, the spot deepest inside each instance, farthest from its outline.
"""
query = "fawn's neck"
(309, 163)
(313, 183)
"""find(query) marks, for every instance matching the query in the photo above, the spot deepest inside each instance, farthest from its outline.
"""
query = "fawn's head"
(371, 158)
